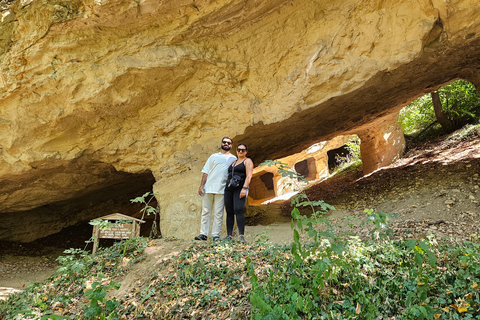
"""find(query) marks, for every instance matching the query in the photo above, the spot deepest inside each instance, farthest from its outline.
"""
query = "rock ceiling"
(93, 91)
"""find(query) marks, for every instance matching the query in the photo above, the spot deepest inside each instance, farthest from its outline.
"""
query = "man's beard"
(226, 147)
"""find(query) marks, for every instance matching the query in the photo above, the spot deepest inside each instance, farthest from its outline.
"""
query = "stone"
(449, 202)
(153, 97)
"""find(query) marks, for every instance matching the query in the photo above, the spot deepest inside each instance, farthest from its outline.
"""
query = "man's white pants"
(212, 203)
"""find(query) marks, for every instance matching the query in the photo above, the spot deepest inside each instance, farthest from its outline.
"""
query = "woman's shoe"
(242, 239)
(228, 238)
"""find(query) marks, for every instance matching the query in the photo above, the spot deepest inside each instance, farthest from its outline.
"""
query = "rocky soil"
(433, 189)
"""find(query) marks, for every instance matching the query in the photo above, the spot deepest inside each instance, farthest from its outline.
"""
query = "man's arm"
(202, 184)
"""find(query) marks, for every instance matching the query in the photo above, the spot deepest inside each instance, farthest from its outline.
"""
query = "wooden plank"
(119, 216)
(95, 240)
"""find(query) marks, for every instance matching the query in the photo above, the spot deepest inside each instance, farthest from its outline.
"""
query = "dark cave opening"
(65, 224)
(336, 157)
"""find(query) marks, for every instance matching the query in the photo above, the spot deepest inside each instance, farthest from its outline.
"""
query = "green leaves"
(329, 277)
(460, 101)
(345, 279)
(147, 209)
(380, 221)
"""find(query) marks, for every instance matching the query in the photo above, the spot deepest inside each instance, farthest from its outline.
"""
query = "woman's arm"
(249, 171)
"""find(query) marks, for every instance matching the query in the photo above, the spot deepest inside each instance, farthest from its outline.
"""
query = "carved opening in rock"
(269, 185)
(337, 157)
(262, 187)
(106, 198)
(345, 157)
(307, 168)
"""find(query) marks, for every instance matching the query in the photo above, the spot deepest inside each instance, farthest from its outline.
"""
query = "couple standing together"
(225, 183)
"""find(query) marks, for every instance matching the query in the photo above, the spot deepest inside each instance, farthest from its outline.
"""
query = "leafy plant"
(100, 307)
(380, 220)
(331, 277)
(149, 210)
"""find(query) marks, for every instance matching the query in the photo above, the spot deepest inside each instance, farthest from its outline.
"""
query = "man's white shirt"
(216, 167)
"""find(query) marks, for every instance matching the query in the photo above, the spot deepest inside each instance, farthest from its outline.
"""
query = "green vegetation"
(323, 276)
(79, 286)
(329, 276)
(460, 104)
(346, 278)
(352, 162)
(147, 209)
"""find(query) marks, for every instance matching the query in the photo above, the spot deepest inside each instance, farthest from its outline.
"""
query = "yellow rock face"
(152, 85)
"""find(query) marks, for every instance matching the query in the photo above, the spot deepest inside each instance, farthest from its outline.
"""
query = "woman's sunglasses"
(241, 150)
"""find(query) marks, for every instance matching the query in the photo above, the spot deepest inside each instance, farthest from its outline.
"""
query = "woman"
(240, 171)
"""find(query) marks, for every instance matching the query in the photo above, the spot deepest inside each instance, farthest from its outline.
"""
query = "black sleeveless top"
(240, 170)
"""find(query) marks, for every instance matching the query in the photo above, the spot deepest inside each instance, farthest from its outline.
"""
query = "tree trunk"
(446, 124)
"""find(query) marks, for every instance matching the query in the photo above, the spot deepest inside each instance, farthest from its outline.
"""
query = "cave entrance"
(271, 190)
(66, 223)
(337, 157)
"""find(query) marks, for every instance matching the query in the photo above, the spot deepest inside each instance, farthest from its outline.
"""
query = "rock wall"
(153, 85)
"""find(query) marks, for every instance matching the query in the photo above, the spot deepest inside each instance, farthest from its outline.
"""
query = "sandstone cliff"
(98, 95)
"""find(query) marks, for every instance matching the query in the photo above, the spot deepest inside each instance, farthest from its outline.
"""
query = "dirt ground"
(433, 189)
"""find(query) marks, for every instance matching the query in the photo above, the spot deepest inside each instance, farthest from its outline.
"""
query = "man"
(212, 188)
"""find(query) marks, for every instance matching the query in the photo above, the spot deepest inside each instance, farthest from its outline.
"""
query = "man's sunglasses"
(227, 142)
(241, 150)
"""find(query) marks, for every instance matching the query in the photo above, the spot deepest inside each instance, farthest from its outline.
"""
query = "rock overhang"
(77, 83)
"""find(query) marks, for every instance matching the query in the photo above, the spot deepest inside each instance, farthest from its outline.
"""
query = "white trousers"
(212, 203)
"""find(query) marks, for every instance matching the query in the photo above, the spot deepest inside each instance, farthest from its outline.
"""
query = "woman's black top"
(239, 170)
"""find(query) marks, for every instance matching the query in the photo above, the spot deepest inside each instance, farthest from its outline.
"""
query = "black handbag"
(236, 179)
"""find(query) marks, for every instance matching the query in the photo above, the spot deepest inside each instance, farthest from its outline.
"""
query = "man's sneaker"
(242, 239)
(216, 238)
(201, 237)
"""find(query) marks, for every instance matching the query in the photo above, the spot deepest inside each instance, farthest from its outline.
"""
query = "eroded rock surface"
(138, 86)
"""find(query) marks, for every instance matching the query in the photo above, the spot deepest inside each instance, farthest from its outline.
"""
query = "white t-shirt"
(216, 167)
